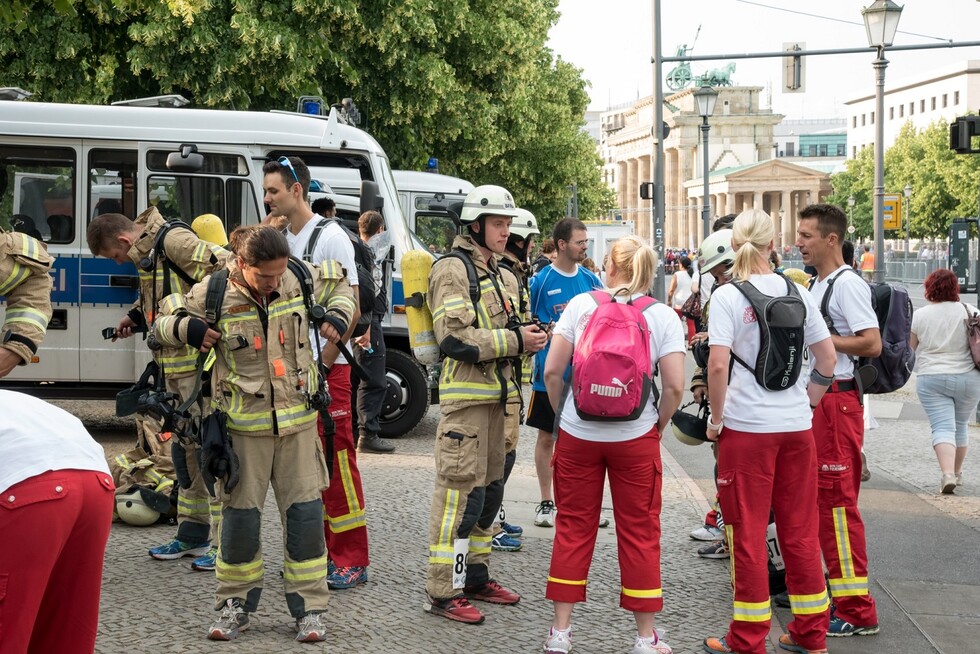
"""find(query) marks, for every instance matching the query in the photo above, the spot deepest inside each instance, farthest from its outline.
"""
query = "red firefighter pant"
(55, 527)
(635, 479)
(343, 502)
(756, 471)
(838, 428)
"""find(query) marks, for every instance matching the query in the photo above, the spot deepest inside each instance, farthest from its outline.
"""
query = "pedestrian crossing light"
(961, 134)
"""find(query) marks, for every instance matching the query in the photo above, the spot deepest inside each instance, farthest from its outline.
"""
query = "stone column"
(684, 158)
(730, 203)
(785, 205)
(621, 175)
(757, 200)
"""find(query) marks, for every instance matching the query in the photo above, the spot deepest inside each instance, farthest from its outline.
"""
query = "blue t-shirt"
(551, 289)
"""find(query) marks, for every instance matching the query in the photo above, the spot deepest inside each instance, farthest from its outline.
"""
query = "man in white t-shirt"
(286, 185)
(838, 421)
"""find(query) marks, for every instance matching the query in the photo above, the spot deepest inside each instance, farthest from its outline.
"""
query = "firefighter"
(170, 259)
(523, 229)
(480, 333)
(264, 380)
(24, 281)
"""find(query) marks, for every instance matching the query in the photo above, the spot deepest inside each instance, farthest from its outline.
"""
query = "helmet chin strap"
(479, 237)
(519, 251)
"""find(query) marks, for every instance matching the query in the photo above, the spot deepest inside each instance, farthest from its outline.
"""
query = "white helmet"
(487, 200)
(524, 225)
(132, 509)
(716, 249)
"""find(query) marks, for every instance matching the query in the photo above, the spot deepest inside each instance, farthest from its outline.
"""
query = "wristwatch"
(715, 427)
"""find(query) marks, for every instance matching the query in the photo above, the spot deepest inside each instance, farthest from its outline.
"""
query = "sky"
(611, 42)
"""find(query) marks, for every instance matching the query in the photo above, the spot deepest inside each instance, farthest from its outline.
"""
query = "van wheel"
(407, 395)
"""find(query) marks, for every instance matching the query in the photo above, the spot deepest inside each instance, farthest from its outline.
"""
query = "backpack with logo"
(781, 321)
(891, 369)
(612, 374)
(367, 289)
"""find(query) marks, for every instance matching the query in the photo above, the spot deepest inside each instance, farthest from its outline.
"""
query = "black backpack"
(782, 347)
(890, 370)
(368, 292)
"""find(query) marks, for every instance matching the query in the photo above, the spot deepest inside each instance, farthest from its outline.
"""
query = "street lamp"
(851, 201)
(705, 97)
(881, 23)
(907, 192)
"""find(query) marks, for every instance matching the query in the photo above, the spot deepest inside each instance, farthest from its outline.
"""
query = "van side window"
(436, 231)
(37, 191)
(112, 181)
(185, 197)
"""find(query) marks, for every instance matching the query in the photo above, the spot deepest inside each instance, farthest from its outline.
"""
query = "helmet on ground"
(524, 225)
(487, 200)
(716, 249)
(688, 428)
(132, 509)
(208, 227)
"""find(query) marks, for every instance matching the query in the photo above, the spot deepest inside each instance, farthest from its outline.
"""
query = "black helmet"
(689, 428)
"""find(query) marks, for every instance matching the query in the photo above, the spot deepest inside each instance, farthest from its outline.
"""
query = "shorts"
(540, 415)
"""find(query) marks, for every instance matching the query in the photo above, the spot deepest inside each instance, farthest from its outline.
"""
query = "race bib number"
(772, 544)
(461, 549)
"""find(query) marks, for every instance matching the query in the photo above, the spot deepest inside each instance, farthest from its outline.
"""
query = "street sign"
(850, 229)
(893, 212)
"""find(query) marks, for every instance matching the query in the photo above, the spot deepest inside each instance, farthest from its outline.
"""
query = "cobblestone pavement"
(154, 606)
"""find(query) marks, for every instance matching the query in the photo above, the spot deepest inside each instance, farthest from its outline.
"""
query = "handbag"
(973, 335)
(692, 307)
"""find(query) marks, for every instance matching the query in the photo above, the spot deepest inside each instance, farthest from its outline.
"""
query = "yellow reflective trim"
(752, 611)
(568, 582)
(729, 535)
(27, 315)
(653, 593)
(448, 518)
(347, 479)
(809, 604)
(241, 572)
(18, 274)
(843, 539)
(849, 587)
(308, 570)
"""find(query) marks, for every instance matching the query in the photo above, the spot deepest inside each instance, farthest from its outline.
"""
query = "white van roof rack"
(14, 93)
(170, 100)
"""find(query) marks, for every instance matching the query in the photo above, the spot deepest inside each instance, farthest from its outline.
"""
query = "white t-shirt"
(850, 310)
(333, 243)
(943, 348)
(706, 283)
(682, 290)
(748, 406)
(666, 337)
(36, 437)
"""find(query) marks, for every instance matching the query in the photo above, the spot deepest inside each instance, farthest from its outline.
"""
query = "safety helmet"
(524, 225)
(132, 509)
(797, 275)
(716, 249)
(208, 227)
(688, 428)
(487, 200)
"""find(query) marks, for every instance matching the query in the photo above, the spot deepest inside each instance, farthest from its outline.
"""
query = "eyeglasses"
(286, 163)
(580, 244)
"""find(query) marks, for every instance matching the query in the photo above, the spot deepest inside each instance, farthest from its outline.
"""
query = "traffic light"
(961, 133)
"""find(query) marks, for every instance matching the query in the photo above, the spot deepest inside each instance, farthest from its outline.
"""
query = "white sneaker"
(707, 533)
(652, 645)
(544, 514)
(310, 628)
(558, 642)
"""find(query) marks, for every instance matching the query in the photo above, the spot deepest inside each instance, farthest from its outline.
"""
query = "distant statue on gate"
(680, 77)
(718, 76)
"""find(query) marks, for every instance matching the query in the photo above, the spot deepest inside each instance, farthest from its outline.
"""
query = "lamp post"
(705, 97)
(881, 23)
(851, 201)
(907, 192)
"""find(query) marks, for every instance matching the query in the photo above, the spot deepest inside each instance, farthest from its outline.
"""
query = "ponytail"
(635, 261)
(752, 233)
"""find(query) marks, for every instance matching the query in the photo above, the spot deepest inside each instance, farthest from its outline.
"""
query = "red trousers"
(687, 322)
(635, 479)
(55, 527)
(343, 502)
(838, 428)
(756, 471)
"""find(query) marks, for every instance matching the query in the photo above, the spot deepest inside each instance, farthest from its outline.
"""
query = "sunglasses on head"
(286, 163)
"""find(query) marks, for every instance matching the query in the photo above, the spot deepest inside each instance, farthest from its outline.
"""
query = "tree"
(467, 81)
(944, 184)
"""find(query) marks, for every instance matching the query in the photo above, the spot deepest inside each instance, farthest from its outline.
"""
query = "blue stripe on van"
(397, 292)
(94, 282)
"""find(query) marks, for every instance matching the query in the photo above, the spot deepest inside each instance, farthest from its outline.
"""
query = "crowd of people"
(276, 317)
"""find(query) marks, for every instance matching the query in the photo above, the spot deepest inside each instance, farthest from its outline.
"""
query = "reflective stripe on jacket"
(26, 284)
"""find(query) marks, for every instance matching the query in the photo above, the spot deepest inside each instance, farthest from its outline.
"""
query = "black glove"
(218, 459)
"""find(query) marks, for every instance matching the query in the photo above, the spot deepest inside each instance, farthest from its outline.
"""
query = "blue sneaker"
(207, 562)
(502, 542)
(513, 531)
(840, 628)
(176, 549)
(347, 577)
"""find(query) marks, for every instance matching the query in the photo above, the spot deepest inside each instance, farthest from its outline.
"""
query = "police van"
(61, 165)
(424, 197)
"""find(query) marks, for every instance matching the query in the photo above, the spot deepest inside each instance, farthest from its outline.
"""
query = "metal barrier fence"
(907, 272)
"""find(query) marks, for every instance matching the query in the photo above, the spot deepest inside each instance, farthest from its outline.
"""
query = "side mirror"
(371, 199)
(185, 160)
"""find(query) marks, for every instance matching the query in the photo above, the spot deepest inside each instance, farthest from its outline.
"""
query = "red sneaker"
(455, 608)
(492, 592)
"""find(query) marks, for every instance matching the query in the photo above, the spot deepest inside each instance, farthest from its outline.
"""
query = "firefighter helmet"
(688, 428)
(208, 228)
(716, 249)
(797, 275)
(132, 509)
(487, 200)
(524, 225)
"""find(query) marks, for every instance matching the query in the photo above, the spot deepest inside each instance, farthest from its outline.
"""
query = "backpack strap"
(756, 299)
(471, 276)
(825, 302)
(160, 250)
(314, 237)
(214, 296)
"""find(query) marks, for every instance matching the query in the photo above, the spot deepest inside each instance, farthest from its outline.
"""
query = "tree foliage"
(467, 81)
(944, 184)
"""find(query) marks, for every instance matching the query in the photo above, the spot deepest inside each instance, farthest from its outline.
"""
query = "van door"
(39, 182)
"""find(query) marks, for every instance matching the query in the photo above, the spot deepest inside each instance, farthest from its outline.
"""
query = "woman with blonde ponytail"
(629, 451)
(766, 451)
